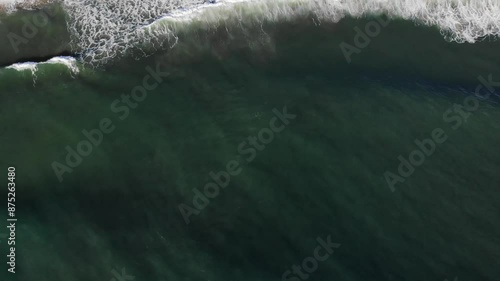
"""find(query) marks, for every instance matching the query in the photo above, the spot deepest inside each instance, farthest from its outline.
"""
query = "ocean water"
(252, 141)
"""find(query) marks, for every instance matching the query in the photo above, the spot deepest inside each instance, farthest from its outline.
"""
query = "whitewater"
(102, 31)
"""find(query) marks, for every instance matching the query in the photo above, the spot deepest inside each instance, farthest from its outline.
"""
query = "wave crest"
(104, 30)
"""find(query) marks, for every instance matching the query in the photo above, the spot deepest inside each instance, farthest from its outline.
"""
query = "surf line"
(41, 59)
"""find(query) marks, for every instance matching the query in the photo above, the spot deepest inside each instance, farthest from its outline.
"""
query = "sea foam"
(111, 28)
(104, 30)
(69, 62)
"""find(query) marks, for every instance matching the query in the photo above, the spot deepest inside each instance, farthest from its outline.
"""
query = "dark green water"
(323, 175)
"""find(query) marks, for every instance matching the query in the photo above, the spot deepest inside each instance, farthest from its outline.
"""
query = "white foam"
(109, 28)
(8, 2)
(8, 5)
(32, 66)
(26, 66)
(69, 62)
(187, 15)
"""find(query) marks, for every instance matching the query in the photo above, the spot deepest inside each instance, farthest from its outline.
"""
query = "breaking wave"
(70, 63)
(102, 30)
